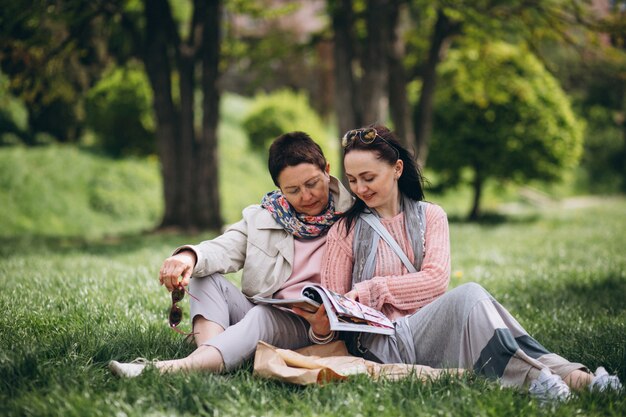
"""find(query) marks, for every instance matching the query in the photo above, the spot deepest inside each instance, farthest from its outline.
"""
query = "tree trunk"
(186, 139)
(189, 165)
(477, 185)
(375, 63)
(207, 213)
(347, 105)
(442, 34)
(399, 107)
(157, 64)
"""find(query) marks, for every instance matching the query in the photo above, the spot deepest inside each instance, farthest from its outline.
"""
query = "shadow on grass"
(495, 219)
(109, 245)
(603, 295)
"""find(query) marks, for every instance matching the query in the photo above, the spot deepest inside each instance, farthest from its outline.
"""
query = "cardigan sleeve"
(337, 264)
(409, 292)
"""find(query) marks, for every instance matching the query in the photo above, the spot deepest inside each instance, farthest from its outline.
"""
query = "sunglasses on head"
(176, 313)
(366, 135)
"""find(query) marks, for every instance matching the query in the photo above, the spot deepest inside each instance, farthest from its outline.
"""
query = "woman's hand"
(175, 266)
(353, 295)
(319, 320)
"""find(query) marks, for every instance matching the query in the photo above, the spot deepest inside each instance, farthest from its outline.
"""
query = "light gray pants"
(244, 323)
(466, 328)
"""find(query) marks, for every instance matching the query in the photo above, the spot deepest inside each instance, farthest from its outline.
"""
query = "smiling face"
(374, 181)
(306, 187)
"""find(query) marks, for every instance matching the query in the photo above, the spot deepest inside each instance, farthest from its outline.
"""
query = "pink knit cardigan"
(393, 290)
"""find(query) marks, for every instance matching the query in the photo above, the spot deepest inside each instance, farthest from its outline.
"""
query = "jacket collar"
(342, 197)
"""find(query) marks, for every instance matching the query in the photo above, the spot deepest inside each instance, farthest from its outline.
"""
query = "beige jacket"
(259, 245)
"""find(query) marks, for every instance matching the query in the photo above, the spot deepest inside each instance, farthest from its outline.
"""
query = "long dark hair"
(384, 143)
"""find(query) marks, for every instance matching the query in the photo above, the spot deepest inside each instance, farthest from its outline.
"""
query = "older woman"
(278, 244)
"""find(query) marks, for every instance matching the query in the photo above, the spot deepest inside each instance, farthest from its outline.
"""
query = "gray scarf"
(366, 240)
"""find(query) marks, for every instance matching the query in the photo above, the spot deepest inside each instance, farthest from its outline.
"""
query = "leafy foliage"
(61, 191)
(13, 115)
(284, 111)
(500, 114)
(119, 110)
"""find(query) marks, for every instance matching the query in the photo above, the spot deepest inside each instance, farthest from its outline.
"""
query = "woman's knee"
(261, 314)
(471, 291)
(272, 323)
(465, 297)
(208, 283)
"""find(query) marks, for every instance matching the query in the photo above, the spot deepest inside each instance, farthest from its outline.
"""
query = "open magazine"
(344, 314)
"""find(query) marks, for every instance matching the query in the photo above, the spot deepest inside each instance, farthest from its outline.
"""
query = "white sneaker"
(549, 387)
(602, 381)
(130, 369)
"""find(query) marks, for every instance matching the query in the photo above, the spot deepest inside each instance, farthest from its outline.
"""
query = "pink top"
(307, 263)
(393, 290)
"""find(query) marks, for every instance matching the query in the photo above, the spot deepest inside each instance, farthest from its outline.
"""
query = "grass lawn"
(72, 305)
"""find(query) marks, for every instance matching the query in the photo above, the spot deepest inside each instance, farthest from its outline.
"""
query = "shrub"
(501, 115)
(603, 169)
(13, 116)
(118, 110)
(62, 191)
(279, 112)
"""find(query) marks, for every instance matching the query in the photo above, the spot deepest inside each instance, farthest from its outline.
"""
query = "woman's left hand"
(353, 295)
(319, 320)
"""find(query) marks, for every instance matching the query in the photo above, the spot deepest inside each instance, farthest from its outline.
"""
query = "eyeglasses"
(176, 313)
(366, 135)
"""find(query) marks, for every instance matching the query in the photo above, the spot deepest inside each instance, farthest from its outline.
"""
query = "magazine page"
(305, 303)
(345, 306)
(349, 315)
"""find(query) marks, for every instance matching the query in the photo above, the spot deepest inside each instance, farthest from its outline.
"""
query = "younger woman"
(465, 327)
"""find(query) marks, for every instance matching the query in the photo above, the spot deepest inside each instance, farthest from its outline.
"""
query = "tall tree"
(614, 24)
(188, 158)
(178, 68)
(399, 106)
(443, 31)
(347, 97)
(374, 64)
(361, 64)
(501, 116)
(363, 61)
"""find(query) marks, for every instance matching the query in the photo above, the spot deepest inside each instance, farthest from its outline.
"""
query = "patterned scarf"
(299, 225)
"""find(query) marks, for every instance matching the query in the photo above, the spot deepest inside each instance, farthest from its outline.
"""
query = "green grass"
(71, 305)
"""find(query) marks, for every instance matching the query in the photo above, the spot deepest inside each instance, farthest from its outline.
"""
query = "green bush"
(501, 115)
(13, 116)
(62, 191)
(284, 111)
(605, 152)
(119, 112)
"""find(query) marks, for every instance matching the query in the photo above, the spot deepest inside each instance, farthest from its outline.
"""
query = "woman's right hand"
(175, 266)
(319, 320)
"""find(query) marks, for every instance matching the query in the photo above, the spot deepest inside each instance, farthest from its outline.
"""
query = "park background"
(128, 128)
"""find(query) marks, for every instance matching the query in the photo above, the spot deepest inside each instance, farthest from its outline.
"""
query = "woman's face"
(373, 180)
(306, 187)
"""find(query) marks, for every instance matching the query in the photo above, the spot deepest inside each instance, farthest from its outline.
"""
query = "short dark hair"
(292, 149)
